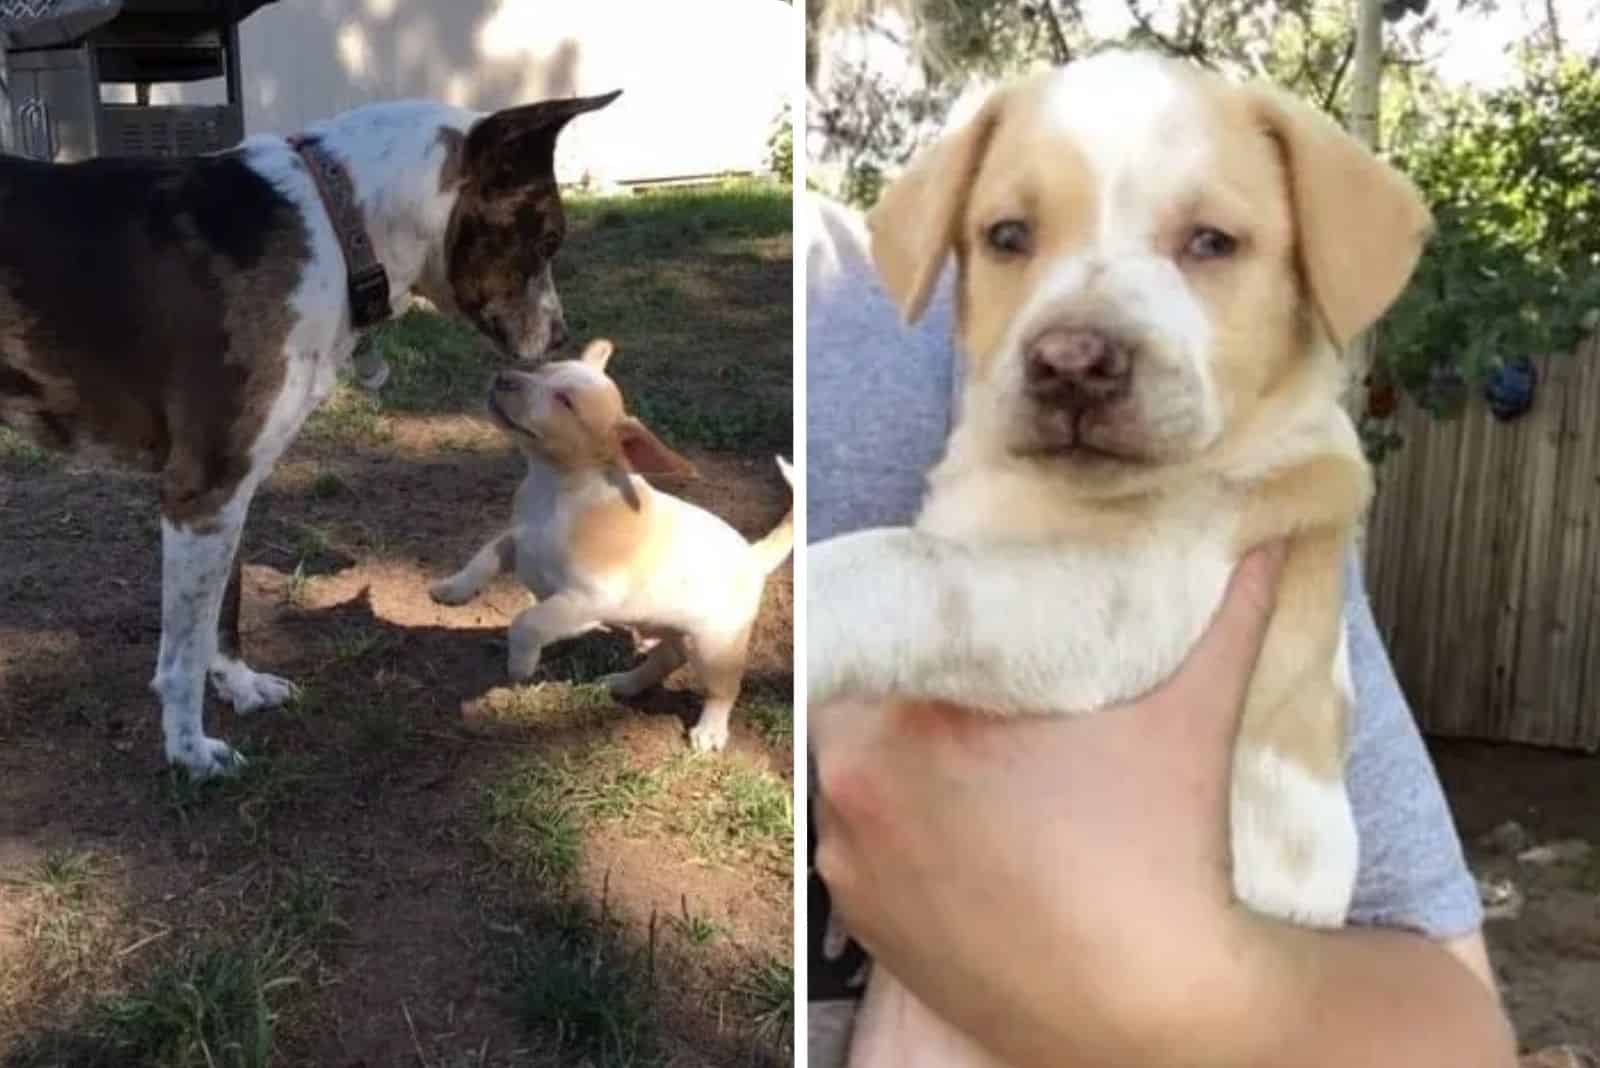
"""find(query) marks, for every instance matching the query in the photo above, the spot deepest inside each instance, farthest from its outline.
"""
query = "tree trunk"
(1365, 81)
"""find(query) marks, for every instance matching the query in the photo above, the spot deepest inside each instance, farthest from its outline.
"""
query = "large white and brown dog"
(186, 316)
(1157, 272)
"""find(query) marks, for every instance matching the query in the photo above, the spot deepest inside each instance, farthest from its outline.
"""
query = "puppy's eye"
(1011, 237)
(564, 399)
(1209, 243)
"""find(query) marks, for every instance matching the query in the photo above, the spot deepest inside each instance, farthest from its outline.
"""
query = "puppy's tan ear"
(646, 453)
(914, 224)
(1361, 224)
(597, 353)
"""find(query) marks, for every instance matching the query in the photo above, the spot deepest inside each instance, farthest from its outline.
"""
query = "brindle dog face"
(507, 226)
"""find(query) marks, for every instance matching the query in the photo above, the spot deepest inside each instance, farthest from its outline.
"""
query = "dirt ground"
(1547, 954)
(421, 865)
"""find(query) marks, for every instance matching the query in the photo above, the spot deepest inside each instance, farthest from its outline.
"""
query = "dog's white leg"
(555, 618)
(665, 657)
(1014, 629)
(195, 563)
(719, 661)
(498, 556)
(246, 690)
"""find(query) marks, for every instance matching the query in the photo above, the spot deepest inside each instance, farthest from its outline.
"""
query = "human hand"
(1057, 887)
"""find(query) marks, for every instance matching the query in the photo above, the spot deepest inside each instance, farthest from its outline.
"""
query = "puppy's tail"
(773, 549)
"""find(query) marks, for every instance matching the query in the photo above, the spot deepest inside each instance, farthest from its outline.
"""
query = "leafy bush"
(780, 148)
(1514, 266)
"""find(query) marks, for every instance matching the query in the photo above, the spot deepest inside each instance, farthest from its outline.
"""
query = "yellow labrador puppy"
(598, 545)
(1157, 272)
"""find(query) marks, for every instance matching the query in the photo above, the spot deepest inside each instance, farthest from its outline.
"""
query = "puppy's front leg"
(498, 556)
(1011, 628)
(549, 621)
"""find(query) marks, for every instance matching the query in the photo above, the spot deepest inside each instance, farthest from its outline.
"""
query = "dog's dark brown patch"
(507, 224)
(143, 310)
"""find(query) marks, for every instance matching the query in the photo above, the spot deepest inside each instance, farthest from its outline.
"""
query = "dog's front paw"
(623, 685)
(372, 371)
(709, 737)
(247, 690)
(447, 591)
(202, 757)
(522, 667)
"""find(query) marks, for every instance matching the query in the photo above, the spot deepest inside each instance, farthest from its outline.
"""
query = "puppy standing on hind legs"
(597, 544)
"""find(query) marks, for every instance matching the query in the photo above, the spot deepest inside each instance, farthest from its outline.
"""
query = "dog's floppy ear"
(597, 353)
(914, 223)
(646, 453)
(516, 145)
(1360, 224)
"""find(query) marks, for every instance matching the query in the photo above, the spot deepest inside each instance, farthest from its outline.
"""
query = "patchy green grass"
(695, 387)
(696, 929)
(722, 808)
(210, 1007)
(769, 990)
(582, 985)
(20, 454)
(771, 711)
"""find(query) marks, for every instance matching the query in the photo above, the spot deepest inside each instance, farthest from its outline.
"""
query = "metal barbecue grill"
(60, 54)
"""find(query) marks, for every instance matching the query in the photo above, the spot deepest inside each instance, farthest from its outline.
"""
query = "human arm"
(1060, 888)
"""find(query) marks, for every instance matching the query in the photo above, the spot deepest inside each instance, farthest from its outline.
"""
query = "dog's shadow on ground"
(464, 668)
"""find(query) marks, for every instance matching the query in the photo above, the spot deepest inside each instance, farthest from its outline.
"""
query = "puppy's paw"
(247, 690)
(204, 758)
(448, 591)
(708, 737)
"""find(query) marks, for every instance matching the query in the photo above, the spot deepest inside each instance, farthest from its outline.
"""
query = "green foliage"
(780, 148)
(1513, 268)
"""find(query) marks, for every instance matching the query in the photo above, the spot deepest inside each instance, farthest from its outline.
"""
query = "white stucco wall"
(702, 80)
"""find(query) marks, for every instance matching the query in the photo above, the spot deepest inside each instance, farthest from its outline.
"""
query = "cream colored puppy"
(597, 545)
(1157, 271)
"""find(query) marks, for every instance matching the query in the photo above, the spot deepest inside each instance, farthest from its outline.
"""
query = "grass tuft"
(594, 994)
(769, 990)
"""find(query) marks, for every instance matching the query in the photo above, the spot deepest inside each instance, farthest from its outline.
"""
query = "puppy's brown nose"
(1077, 368)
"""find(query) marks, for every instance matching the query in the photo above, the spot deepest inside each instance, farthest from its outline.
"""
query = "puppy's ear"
(510, 148)
(914, 223)
(598, 353)
(646, 453)
(1360, 224)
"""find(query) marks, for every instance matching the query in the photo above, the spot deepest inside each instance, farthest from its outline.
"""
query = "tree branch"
(1338, 74)
(1058, 38)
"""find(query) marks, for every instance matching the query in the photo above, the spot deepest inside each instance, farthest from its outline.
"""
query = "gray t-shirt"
(878, 406)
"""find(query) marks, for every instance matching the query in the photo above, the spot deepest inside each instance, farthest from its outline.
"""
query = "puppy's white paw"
(247, 690)
(204, 758)
(445, 591)
(709, 738)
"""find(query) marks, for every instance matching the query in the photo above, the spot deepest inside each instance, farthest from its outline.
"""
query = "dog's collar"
(368, 281)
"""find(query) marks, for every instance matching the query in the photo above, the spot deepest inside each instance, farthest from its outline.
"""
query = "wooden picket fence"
(1483, 564)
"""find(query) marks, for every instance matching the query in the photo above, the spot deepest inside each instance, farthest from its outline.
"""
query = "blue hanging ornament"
(1510, 387)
